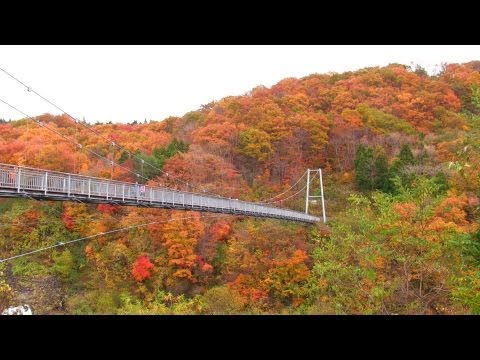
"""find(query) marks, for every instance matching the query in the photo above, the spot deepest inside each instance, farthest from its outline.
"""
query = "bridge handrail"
(56, 181)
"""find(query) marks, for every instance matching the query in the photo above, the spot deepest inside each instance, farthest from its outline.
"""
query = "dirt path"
(45, 293)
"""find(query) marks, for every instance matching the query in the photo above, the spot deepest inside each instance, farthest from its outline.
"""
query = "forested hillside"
(400, 153)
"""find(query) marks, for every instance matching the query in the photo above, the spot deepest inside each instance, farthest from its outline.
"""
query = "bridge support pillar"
(308, 197)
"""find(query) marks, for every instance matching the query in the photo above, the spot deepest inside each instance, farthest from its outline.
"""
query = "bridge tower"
(309, 197)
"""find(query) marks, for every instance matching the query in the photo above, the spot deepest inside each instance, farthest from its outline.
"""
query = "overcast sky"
(126, 83)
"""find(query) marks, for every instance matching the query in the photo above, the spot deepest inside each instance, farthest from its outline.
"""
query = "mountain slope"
(403, 210)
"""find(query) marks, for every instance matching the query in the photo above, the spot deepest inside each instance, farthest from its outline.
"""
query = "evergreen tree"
(123, 157)
(364, 168)
(158, 158)
(406, 155)
(382, 173)
(398, 168)
(441, 180)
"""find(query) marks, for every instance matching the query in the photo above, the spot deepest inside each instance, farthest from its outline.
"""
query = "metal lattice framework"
(18, 181)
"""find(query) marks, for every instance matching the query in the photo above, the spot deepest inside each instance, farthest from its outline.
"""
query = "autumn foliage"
(141, 269)
(400, 152)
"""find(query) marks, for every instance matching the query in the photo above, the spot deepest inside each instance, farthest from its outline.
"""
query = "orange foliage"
(406, 210)
(88, 251)
(248, 146)
(451, 213)
(220, 230)
(245, 286)
(181, 237)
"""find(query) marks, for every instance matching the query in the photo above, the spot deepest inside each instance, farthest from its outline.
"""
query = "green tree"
(151, 166)
(406, 155)
(64, 263)
(405, 158)
(396, 253)
(371, 169)
(440, 179)
(382, 172)
(123, 157)
(364, 168)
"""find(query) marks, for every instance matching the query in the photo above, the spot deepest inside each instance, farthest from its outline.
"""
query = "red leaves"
(107, 209)
(206, 267)
(141, 268)
(220, 231)
(68, 221)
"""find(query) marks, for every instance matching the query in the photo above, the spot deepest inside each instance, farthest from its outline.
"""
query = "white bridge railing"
(19, 181)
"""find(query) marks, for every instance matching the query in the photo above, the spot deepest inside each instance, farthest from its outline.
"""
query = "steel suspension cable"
(111, 141)
(99, 234)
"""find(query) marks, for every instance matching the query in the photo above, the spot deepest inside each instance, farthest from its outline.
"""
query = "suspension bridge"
(39, 184)
(19, 181)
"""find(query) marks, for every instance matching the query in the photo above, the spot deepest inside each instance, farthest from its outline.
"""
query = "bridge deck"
(17, 181)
